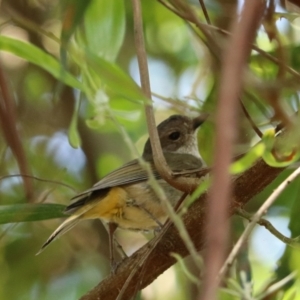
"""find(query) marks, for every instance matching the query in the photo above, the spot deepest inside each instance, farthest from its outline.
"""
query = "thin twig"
(268, 225)
(161, 165)
(38, 179)
(220, 191)
(256, 217)
(177, 104)
(173, 10)
(253, 125)
(205, 11)
(158, 157)
(209, 40)
(278, 285)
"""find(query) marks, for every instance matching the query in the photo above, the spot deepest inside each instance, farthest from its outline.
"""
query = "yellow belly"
(138, 213)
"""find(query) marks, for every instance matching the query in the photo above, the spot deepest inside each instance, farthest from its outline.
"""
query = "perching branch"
(246, 186)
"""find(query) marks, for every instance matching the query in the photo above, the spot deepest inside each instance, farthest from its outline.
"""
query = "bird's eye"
(174, 135)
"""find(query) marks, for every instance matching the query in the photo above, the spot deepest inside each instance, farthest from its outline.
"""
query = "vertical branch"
(145, 83)
(220, 192)
(159, 159)
(8, 124)
(161, 165)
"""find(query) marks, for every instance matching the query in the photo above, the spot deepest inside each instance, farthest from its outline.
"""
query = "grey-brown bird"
(124, 198)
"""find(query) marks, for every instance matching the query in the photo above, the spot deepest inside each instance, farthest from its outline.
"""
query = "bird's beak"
(199, 120)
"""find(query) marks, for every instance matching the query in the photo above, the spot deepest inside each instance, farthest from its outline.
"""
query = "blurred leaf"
(105, 27)
(73, 14)
(115, 78)
(289, 16)
(40, 58)
(30, 212)
(271, 155)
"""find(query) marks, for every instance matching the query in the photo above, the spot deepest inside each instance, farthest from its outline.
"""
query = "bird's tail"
(62, 229)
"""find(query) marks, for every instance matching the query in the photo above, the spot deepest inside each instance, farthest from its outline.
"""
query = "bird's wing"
(129, 173)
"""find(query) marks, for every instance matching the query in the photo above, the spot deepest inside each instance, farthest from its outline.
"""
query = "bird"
(124, 198)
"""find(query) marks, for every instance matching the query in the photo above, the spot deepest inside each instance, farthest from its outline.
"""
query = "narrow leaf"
(40, 58)
(30, 212)
(74, 137)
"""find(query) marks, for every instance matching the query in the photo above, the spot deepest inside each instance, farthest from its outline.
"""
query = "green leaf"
(105, 27)
(115, 78)
(40, 58)
(248, 159)
(285, 158)
(74, 137)
(30, 212)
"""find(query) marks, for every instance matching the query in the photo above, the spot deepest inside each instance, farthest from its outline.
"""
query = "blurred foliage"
(71, 70)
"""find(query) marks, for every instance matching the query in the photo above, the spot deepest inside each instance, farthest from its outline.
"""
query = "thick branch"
(233, 66)
(246, 186)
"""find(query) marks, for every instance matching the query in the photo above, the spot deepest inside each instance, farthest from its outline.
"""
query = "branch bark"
(233, 66)
(246, 186)
(183, 184)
